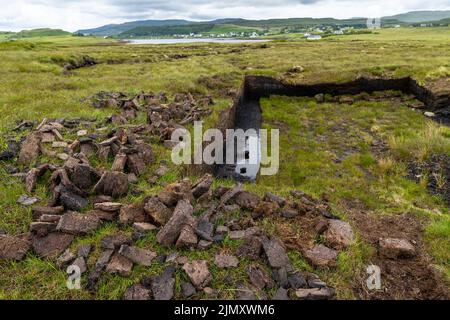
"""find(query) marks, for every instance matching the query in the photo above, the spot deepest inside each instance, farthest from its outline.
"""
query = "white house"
(314, 37)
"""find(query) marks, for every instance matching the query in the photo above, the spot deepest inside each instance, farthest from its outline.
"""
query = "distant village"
(223, 35)
(308, 33)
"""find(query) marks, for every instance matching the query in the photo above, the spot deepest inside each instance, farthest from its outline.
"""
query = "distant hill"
(442, 22)
(115, 29)
(166, 27)
(280, 23)
(421, 16)
(131, 27)
(225, 26)
(40, 33)
(197, 28)
(167, 30)
(156, 27)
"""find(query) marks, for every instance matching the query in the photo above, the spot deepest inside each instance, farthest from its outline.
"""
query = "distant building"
(314, 37)
(338, 32)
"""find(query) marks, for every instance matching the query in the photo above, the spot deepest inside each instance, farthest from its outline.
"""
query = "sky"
(72, 15)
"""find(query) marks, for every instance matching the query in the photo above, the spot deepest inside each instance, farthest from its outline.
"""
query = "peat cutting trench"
(402, 278)
(246, 112)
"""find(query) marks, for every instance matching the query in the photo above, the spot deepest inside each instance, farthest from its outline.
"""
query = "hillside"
(228, 28)
(157, 27)
(166, 30)
(442, 22)
(279, 23)
(199, 28)
(405, 18)
(44, 32)
(421, 16)
(115, 29)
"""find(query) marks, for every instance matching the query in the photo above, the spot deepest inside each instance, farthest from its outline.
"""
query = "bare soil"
(401, 278)
(437, 169)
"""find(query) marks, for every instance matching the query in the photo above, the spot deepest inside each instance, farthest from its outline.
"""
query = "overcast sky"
(72, 15)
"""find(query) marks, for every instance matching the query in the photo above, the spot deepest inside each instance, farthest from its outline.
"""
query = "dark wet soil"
(437, 169)
(401, 278)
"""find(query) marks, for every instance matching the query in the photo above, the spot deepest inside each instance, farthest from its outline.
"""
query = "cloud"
(80, 14)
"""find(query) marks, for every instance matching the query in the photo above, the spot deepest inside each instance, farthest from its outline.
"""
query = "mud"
(400, 278)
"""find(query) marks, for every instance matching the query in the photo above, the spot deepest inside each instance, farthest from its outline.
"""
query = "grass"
(44, 32)
(325, 148)
(437, 235)
(421, 144)
(227, 28)
(329, 149)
